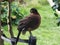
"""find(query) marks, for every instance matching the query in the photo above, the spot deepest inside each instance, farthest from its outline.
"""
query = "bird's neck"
(34, 13)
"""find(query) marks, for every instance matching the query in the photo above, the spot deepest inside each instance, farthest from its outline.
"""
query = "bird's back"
(35, 22)
(31, 22)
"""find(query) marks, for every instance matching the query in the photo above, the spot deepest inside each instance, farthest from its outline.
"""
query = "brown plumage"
(30, 22)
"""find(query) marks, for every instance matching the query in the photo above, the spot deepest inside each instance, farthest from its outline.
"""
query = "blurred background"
(48, 32)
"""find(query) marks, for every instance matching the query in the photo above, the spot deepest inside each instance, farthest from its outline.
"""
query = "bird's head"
(33, 10)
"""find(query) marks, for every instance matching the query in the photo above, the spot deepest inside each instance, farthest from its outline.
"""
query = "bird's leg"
(30, 33)
(29, 29)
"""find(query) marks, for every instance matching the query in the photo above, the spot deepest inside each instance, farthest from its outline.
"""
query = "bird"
(29, 23)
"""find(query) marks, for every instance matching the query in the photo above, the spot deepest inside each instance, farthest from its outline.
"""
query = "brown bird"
(29, 23)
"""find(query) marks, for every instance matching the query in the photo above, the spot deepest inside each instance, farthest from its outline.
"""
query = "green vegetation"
(48, 33)
(16, 15)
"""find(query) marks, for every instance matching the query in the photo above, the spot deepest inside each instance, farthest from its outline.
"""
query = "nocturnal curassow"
(29, 23)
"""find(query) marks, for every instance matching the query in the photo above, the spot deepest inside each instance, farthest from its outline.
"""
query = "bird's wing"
(24, 22)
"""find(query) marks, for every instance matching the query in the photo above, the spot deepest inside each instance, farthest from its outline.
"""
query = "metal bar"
(6, 39)
(20, 40)
(30, 41)
(14, 39)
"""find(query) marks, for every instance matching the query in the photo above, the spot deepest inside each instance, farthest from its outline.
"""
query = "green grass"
(48, 32)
